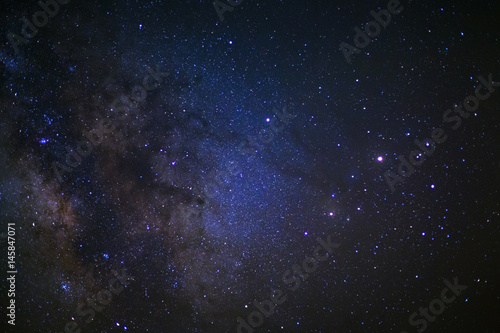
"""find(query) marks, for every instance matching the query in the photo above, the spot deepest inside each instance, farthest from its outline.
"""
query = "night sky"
(276, 166)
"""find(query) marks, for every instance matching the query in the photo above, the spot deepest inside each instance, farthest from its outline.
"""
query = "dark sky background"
(148, 198)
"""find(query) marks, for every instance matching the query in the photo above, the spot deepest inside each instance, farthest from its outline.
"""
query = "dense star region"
(249, 166)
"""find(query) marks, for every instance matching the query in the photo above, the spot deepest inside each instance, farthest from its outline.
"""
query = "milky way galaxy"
(272, 166)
